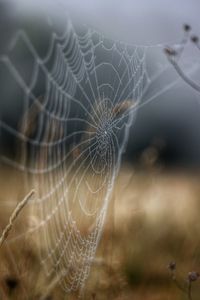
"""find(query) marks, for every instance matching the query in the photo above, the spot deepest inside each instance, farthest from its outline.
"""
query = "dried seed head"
(172, 266)
(169, 51)
(11, 283)
(195, 39)
(186, 27)
(193, 276)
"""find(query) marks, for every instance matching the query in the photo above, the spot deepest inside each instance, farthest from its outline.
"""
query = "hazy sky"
(138, 21)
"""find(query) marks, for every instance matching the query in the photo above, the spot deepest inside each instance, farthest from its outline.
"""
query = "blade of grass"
(14, 216)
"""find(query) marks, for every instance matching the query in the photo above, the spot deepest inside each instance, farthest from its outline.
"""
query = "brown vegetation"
(153, 219)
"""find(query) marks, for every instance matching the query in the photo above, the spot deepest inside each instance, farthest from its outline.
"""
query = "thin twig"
(13, 217)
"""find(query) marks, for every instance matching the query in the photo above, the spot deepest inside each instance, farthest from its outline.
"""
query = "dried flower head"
(193, 276)
(194, 39)
(186, 27)
(172, 266)
(11, 283)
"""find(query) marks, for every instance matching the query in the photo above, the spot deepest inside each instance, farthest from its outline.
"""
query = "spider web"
(79, 98)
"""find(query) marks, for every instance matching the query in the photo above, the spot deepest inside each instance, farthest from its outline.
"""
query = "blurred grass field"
(153, 218)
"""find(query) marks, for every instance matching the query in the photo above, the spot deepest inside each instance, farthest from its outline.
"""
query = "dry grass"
(153, 218)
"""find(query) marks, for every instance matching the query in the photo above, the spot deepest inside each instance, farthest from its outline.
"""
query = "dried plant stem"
(179, 286)
(14, 215)
(189, 291)
(174, 55)
(189, 81)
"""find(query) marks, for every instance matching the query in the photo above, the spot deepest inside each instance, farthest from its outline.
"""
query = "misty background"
(170, 122)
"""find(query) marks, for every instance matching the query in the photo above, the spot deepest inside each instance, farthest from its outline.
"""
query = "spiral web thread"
(71, 136)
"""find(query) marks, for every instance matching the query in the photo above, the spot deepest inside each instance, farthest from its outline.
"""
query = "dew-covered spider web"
(77, 91)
